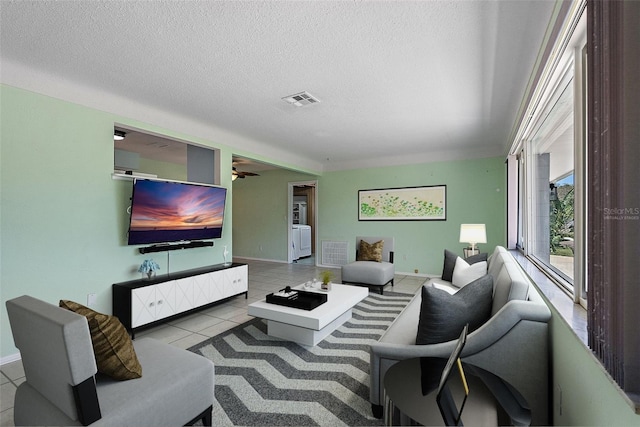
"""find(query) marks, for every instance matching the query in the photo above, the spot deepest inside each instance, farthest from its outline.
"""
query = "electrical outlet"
(415, 271)
(91, 300)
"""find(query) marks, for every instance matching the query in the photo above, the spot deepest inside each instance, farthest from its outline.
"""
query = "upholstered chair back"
(55, 347)
(387, 248)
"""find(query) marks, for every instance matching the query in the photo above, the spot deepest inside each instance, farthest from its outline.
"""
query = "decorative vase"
(148, 268)
(225, 254)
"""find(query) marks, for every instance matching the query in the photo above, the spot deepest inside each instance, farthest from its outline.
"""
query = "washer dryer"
(305, 240)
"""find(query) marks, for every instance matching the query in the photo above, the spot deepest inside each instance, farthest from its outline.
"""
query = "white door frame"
(313, 183)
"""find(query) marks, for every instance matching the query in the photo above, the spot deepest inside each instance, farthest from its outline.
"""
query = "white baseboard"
(240, 258)
(329, 267)
(10, 358)
(425, 275)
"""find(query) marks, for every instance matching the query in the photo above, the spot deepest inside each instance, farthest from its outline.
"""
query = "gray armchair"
(372, 273)
(62, 388)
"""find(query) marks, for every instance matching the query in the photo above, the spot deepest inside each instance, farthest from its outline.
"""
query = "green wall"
(166, 170)
(260, 210)
(475, 194)
(63, 219)
(583, 393)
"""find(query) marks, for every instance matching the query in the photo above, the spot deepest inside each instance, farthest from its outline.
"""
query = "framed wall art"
(427, 203)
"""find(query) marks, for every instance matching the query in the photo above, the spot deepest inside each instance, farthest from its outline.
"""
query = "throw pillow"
(476, 258)
(450, 263)
(112, 346)
(370, 251)
(465, 273)
(442, 316)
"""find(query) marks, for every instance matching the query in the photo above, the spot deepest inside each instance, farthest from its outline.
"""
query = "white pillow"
(447, 288)
(463, 273)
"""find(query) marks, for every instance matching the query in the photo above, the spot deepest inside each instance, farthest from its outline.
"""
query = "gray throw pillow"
(450, 263)
(442, 315)
(476, 258)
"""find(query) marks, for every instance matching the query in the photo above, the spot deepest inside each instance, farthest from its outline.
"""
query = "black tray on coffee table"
(304, 300)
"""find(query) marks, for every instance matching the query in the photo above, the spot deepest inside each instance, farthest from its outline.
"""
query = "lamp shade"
(473, 233)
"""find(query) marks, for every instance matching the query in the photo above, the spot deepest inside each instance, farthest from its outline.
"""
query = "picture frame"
(426, 203)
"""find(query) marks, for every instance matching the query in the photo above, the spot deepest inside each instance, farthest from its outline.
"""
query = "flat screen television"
(168, 211)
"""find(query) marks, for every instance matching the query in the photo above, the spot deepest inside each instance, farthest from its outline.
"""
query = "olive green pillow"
(112, 346)
(370, 251)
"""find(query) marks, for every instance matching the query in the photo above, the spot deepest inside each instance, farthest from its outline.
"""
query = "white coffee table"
(309, 327)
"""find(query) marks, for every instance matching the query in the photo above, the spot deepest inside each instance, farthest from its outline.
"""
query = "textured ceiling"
(398, 81)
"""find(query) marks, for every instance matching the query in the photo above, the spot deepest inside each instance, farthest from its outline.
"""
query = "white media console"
(145, 302)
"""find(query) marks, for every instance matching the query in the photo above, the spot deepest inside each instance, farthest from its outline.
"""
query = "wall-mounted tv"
(168, 211)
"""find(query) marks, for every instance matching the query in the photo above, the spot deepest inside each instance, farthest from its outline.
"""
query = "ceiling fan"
(240, 174)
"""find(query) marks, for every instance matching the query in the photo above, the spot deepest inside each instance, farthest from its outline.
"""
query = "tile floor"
(264, 277)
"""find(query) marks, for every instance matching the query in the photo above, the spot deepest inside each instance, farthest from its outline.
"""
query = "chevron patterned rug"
(266, 381)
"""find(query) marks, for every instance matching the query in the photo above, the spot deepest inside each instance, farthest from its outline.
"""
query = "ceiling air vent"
(301, 99)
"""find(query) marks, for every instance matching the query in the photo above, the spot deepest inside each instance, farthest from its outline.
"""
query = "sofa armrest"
(502, 322)
(495, 328)
(384, 355)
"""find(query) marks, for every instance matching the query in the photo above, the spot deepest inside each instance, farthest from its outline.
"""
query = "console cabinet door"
(143, 306)
(185, 294)
(202, 289)
(236, 280)
(151, 303)
(217, 285)
(165, 299)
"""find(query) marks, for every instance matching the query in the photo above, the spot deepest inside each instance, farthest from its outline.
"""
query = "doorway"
(302, 226)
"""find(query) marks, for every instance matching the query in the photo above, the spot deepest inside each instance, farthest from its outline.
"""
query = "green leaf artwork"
(418, 203)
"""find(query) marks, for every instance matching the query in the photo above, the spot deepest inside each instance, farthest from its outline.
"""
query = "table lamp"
(472, 234)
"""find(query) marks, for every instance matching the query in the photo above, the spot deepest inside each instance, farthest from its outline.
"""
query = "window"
(552, 170)
(551, 183)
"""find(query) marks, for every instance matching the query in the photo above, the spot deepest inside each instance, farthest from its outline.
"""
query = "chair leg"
(207, 419)
(206, 416)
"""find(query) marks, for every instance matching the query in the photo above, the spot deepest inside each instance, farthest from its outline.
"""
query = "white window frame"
(567, 56)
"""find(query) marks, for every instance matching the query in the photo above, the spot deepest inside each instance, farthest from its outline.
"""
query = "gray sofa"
(512, 344)
(62, 388)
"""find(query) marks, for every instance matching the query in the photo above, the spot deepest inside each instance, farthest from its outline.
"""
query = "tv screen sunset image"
(169, 206)
(180, 211)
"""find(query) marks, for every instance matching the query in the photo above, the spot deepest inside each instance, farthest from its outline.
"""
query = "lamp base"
(470, 252)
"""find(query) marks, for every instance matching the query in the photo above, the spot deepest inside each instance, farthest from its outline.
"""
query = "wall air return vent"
(301, 99)
(334, 253)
